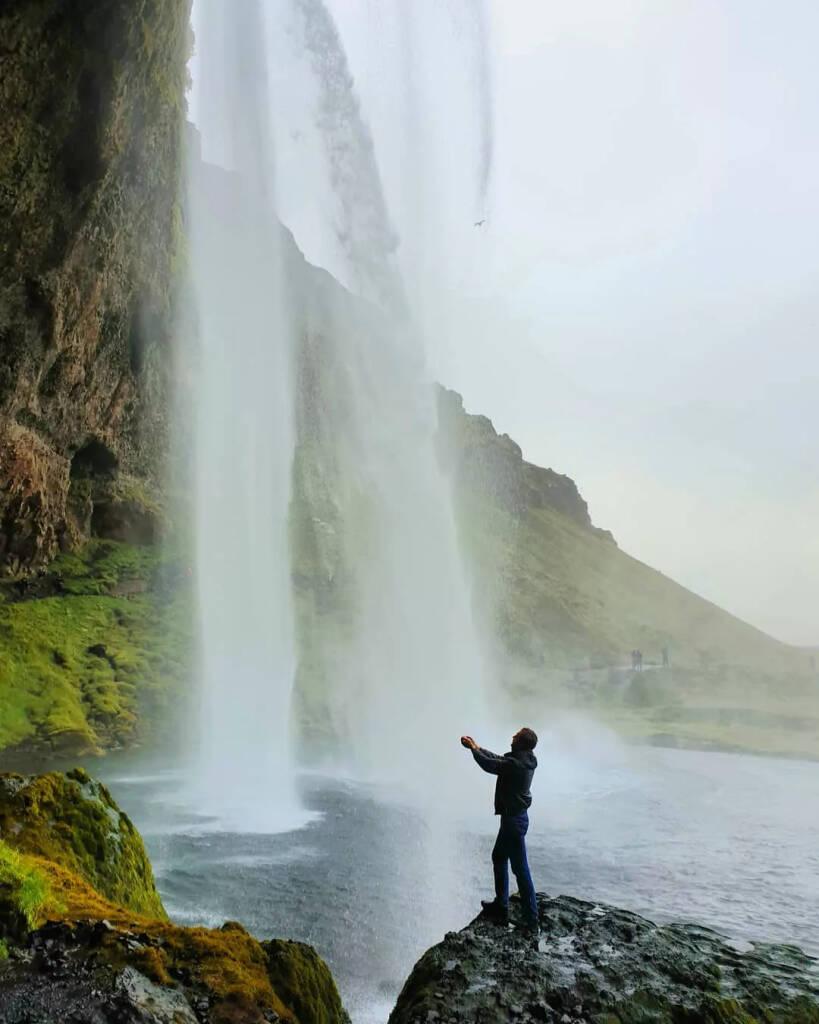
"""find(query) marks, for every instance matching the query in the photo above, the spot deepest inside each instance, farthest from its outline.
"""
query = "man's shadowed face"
(524, 739)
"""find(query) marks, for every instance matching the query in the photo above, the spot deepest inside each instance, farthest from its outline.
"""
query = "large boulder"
(595, 963)
(73, 821)
(84, 938)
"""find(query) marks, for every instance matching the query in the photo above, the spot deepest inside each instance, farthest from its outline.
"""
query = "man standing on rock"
(513, 799)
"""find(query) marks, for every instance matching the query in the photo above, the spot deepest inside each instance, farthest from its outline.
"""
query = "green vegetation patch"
(24, 893)
(101, 665)
(101, 565)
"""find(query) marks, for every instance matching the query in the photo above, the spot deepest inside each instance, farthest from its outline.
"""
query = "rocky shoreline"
(84, 938)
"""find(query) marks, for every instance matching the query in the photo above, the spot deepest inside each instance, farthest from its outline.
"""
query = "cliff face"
(492, 466)
(92, 113)
(563, 608)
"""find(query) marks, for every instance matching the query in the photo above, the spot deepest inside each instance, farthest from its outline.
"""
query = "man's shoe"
(495, 911)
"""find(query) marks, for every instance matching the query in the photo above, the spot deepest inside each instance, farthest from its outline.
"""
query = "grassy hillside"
(565, 607)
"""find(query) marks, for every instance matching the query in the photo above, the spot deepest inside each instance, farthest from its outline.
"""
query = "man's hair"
(526, 739)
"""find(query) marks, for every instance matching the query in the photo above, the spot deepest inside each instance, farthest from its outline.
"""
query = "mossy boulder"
(303, 980)
(73, 821)
(86, 944)
(596, 963)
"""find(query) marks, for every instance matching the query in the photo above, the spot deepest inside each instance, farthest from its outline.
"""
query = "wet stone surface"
(594, 962)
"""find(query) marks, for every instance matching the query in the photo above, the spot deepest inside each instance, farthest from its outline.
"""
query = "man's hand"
(469, 743)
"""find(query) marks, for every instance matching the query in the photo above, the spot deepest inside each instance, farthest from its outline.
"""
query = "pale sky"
(671, 280)
(641, 309)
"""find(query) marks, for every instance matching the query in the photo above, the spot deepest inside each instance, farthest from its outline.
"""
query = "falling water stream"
(411, 674)
(244, 434)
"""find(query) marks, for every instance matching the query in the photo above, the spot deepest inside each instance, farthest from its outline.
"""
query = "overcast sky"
(673, 284)
(641, 310)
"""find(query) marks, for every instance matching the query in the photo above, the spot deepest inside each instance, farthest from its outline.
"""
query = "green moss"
(304, 982)
(100, 565)
(68, 853)
(90, 670)
(73, 821)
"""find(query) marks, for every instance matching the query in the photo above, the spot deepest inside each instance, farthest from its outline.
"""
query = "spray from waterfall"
(408, 677)
(363, 226)
(413, 670)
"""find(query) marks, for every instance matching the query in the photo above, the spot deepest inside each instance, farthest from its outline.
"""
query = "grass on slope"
(569, 607)
(577, 595)
(77, 671)
(25, 888)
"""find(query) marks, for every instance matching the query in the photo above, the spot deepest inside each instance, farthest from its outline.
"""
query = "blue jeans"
(510, 847)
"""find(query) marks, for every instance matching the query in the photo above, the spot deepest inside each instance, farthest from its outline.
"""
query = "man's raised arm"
(492, 763)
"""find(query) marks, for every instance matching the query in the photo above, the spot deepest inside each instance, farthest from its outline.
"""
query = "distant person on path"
(513, 799)
(666, 659)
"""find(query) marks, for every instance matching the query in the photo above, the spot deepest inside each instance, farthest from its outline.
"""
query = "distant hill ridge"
(538, 520)
(564, 609)
(493, 464)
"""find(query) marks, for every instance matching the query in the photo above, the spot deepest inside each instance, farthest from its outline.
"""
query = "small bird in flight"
(479, 223)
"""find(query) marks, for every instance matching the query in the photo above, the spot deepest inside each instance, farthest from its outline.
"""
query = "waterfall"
(244, 432)
(405, 674)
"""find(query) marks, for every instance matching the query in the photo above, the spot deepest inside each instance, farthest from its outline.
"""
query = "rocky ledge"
(595, 963)
(84, 937)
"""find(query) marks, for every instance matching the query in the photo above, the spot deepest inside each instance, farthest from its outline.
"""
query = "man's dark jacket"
(514, 771)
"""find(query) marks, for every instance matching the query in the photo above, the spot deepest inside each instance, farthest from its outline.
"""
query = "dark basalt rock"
(599, 964)
(84, 938)
(54, 980)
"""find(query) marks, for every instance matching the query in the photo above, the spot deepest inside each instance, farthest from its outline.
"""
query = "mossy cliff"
(78, 947)
(90, 240)
(596, 964)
